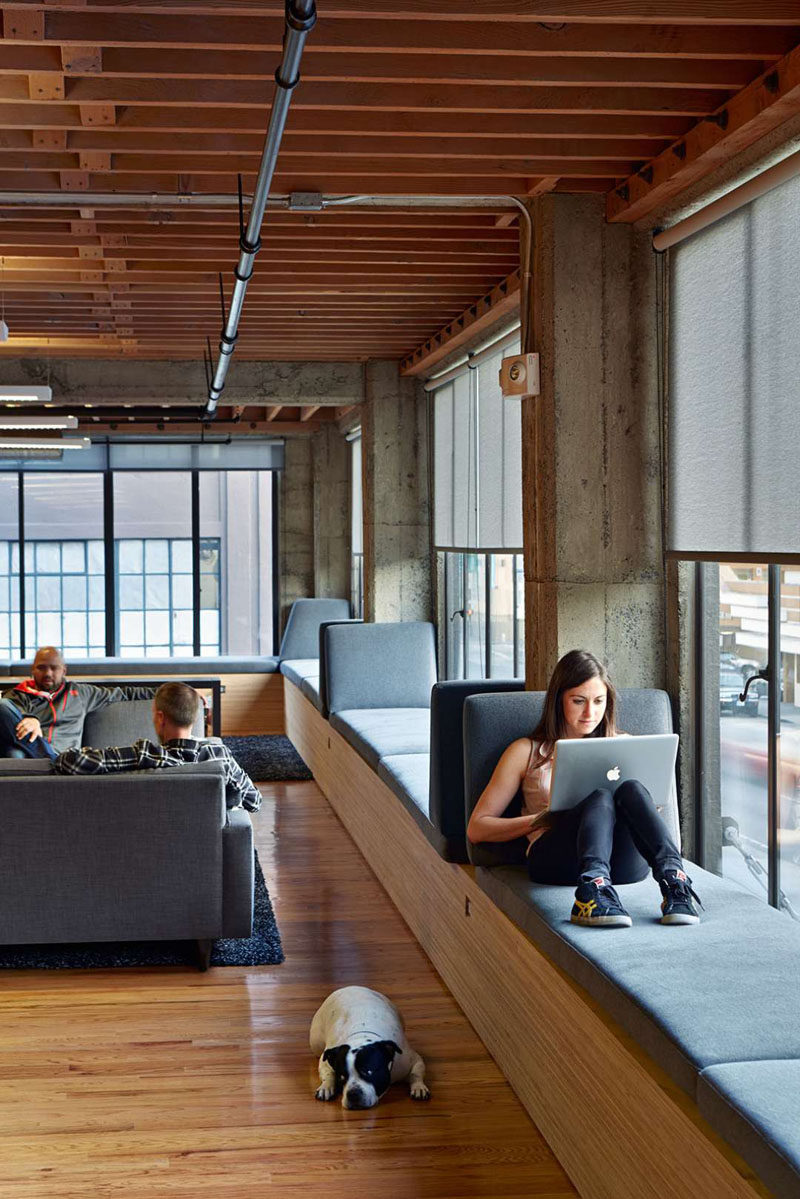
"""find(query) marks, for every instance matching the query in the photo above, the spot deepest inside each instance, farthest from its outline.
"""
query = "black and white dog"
(360, 1038)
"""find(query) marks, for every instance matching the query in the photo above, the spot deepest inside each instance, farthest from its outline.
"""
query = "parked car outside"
(731, 685)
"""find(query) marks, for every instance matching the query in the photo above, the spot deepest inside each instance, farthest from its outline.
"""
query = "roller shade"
(477, 462)
(734, 384)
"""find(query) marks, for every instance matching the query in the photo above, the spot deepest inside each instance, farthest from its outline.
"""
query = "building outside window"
(484, 616)
(157, 610)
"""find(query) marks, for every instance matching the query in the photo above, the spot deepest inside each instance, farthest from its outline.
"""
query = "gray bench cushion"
(310, 689)
(301, 635)
(407, 776)
(754, 1106)
(155, 668)
(380, 666)
(298, 669)
(383, 732)
(672, 988)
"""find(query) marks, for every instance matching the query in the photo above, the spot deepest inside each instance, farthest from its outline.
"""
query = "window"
(477, 521)
(745, 837)
(483, 610)
(192, 554)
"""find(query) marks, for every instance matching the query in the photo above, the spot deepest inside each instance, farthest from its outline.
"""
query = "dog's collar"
(367, 1033)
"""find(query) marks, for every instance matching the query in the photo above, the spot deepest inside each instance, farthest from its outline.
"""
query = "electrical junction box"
(519, 376)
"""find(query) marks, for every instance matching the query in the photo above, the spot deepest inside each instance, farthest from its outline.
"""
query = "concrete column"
(397, 560)
(591, 460)
(331, 467)
(296, 524)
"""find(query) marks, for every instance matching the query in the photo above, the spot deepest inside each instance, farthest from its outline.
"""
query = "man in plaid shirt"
(174, 711)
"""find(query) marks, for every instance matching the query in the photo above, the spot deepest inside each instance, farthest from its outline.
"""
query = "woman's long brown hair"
(575, 668)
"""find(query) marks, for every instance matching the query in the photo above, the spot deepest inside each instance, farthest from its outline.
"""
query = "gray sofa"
(730, 1038)
(143, 855)
(300, 651)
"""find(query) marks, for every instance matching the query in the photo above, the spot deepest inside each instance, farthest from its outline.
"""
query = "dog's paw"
(420, 1091)
(324, 1093)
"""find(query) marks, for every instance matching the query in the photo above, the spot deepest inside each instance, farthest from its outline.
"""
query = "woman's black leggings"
(617, 836)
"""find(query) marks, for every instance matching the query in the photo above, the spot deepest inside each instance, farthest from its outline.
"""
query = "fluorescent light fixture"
(42, 443)
(25, 395)
(38, 422)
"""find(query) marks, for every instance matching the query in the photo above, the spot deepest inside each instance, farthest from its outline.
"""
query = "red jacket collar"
(30, 688)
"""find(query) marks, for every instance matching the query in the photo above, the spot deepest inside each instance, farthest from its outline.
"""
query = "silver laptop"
(582, 765)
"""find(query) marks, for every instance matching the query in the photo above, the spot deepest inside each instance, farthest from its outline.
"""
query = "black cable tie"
(287, 85)
(249, 247)
(225, 340)
(242, 278)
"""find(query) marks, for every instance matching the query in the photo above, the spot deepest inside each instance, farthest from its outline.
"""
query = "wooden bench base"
(251, 703)
(617, 1124)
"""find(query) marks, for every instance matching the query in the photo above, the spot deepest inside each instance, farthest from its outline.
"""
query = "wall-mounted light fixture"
(45, 443)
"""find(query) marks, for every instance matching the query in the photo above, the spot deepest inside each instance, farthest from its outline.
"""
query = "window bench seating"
(651, 1061)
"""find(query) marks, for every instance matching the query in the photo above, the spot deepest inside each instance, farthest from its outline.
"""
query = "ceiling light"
(38, 422)
(18, 395)
(41, 443)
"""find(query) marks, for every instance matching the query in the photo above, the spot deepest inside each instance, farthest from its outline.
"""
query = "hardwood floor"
(171, 1083)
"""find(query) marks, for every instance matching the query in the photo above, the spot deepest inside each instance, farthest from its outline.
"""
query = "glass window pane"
(790, 735)
(209, 628)
(97, 557)
(156, 591)
(501, 586)
(73, 593)
(475, 621)
(181, 558)
(182, 626)
(156, 556)
(73, 557)
(97, 630)
(48, 557)
(47, 594)
(75, 631)
(130, 589)
(48, 629)
(131, 628)
(209, 592)
(182, 591)
(97, 593)
(130, 557)
(156, 628)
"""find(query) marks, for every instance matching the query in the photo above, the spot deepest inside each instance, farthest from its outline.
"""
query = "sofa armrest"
(237, 874)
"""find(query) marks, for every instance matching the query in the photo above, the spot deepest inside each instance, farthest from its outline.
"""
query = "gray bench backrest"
(446, 809)
(301, 635)
(492, 722)
(323, 669)
(379, 665)
(126, 722)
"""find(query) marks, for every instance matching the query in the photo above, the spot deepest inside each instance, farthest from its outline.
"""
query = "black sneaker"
(677, 906)
(597, 905)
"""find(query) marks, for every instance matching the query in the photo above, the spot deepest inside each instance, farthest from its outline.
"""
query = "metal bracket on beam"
(305, 202)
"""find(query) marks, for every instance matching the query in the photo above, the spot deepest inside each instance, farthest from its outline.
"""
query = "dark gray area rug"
(262, 949)
(268, 759)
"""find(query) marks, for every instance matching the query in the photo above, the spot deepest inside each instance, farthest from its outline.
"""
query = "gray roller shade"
(734, 384)
(477, 462)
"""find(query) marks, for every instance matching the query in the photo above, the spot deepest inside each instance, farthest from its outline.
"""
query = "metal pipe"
(301, 16)
(789, 168)
(168, 200)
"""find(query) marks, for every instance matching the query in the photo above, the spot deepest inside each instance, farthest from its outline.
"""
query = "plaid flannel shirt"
(148, 755)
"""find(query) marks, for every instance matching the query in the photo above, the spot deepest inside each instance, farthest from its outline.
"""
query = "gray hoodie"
(62, 713)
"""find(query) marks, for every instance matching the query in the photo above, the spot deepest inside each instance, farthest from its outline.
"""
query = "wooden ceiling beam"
(391, 97)
(221, 63)
(502, 300)
(347, 122)
(755, 111)
(65, 16)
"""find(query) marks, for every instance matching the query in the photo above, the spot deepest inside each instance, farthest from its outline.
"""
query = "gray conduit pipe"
(301, 16)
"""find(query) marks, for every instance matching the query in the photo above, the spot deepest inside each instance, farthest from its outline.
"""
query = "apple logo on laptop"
(613, 774)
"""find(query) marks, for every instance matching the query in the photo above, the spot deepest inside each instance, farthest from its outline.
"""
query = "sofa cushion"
(754, 1106)
(310, 689)
(301, 635)
(379, 665)
(492, 722)
(671, 987)
(297, 669)
(447, 810)
(383, 732)
(126, 722)
(407, 776)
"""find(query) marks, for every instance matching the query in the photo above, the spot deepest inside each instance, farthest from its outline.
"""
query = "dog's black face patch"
(373, 1063)
(337, 1060)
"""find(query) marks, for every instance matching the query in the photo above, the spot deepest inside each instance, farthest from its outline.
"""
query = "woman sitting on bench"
(576, 845)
